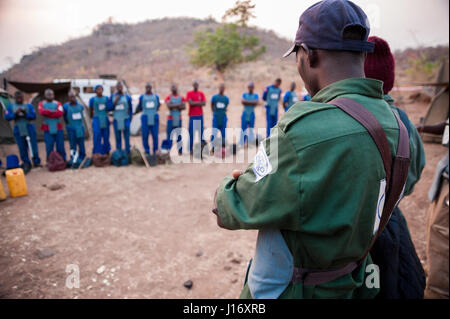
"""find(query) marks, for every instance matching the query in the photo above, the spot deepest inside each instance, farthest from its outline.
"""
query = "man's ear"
(313, 58)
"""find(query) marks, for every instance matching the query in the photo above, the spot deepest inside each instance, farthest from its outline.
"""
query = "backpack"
(125, 159)
(119, 158)
(56, 162)
(135, 156)
(101, 160)
(152, 159)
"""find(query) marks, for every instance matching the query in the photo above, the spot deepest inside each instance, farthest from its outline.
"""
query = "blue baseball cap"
(322, 26)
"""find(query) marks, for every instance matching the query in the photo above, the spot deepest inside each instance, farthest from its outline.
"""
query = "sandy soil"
(140, 233)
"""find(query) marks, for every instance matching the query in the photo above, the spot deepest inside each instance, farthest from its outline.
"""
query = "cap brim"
(290, 51)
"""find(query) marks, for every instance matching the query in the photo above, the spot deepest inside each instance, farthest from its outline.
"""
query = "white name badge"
(220, 105)
(76, 116)
(274, 96)
(120, 107)
(101, 107)
(380, 205)
(261, 164)
(294, 99)
(150, 105)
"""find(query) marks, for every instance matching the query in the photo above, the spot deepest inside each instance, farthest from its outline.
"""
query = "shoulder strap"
(404, 118)
(371, 124)
(396, 169)
(396, 174)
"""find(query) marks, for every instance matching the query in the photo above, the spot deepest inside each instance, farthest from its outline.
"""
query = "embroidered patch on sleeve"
(380, 205)
(261, 164)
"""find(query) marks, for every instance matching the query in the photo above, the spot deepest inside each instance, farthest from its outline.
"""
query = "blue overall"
(219, 122)
(53, 135)
(272, 97)
(306, 97)
(290, 98)
(175, 122)
(149, 104)
(122, 117)
(100, 124)
(195, 125)
(248, 119)
(23, 129)
(73, 116)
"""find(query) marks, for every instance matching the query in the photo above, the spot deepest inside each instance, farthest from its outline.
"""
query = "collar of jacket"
(389, 99)
(361, 86)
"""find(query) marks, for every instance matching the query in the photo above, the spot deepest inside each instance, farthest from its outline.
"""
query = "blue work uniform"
(272, 96)
(122, 113)
(174, 121)
(219, 123)
(290, 97)
(149, 105)
(73, 116)
(23, 129)
(100, 124)
(52, 127)
(248, 119)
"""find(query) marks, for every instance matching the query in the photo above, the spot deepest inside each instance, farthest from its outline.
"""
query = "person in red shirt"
(197, 101)
(176, 103)
(52, 111)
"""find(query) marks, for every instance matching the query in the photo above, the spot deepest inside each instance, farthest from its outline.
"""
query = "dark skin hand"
(437, 129)
(235, 174)
(249, 103)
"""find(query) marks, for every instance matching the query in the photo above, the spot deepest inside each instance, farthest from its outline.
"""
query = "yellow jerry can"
(16, 182)
(2, 192)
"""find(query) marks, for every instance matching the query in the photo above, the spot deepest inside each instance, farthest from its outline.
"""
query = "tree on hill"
(227, 45)
(242, 10)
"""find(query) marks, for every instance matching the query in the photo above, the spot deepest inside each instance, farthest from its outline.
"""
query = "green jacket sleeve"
(417, 159)
(252, 203)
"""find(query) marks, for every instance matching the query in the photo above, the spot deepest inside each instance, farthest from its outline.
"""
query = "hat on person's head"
(323, 24)
(380, 64)
(98, 86)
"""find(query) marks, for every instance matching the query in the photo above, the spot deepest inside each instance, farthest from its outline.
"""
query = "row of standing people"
(120, 104)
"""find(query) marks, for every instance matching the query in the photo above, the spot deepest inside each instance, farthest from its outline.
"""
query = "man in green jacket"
(315, 186)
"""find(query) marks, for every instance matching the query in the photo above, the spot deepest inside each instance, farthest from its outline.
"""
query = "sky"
(28, 24)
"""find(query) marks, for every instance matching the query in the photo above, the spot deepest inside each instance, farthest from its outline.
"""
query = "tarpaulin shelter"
(61, 90)
(438, 109)
(6, 133)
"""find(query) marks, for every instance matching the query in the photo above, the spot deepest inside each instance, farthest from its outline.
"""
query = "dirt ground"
(135, 232)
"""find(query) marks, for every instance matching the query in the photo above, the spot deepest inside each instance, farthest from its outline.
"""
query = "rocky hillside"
(156, 51)
(149, 51)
